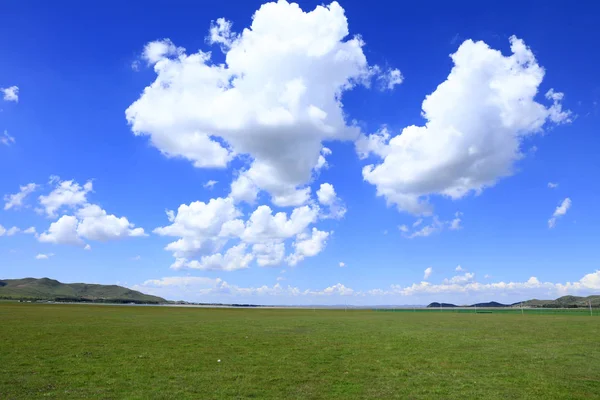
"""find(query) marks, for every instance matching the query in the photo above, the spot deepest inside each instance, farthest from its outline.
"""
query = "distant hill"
(490, 304)
(561, 302)
(50, 289)
(443, 305)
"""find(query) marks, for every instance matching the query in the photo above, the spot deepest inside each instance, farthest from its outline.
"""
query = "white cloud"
(10, 93)
(89, 221)
(65, 194)
(234, 258)
(204, 229)
(427, 273)
(16, 200)
(328, 198)
(42, 256)
(6, 139)
(322, 161)
(475, 123)
(455, 223)
(158, 50)
(376, 143)
(264, 226)
(280, 278)
(215, 289)
(97, 224)
(460, 279)
(12, 231)
(308, 246)
(199, 226)
(552, 185)
(136, 258)
(459, 269)
(275, 99)
(210, 184)
(220, 33)
(342, 264)
(269, 254)
(466, 285)
(557, 115)
(338, 289)
(63, 231)
(8, 232)
(243, 189)
(31, 230)
(87, 247)
(422, 229)
(559, 212)
(391, 78)
(427, 230)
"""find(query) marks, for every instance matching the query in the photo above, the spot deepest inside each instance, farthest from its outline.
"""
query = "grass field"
(120, 352)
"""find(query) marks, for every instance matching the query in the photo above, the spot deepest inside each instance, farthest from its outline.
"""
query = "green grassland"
(119, 352)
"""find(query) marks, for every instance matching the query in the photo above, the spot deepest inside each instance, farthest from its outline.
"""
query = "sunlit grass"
(115, 352)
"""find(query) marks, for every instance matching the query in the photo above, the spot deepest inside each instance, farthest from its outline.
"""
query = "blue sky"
(383, 153)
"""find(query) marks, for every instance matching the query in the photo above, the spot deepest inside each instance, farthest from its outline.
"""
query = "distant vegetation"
(561, 302)
(31, 289)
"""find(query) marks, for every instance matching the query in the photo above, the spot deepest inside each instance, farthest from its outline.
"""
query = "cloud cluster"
(205, 229)
(201, 288)
(475, 123)
(16, 200)
(421, 229)
(66, 194)
(10, 93)
(275, 100)
(87, 222)
(333, 206)
(9, 232)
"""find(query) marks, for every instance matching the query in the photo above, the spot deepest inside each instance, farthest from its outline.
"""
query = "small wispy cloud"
(42, 256)
(559, 212)
(210, 184)
(427, 273)
(552, 185)
(6, 139)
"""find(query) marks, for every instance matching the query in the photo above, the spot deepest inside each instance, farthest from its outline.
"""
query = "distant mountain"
(561, 302)
(442, 305)
(50, 289)
(490, 304)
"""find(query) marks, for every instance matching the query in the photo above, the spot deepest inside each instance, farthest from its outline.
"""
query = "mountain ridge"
(51, 289)
(561, 302)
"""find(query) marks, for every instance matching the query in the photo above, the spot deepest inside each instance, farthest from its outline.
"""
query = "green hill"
(561, 302)
(564, 302)
(50, 289)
